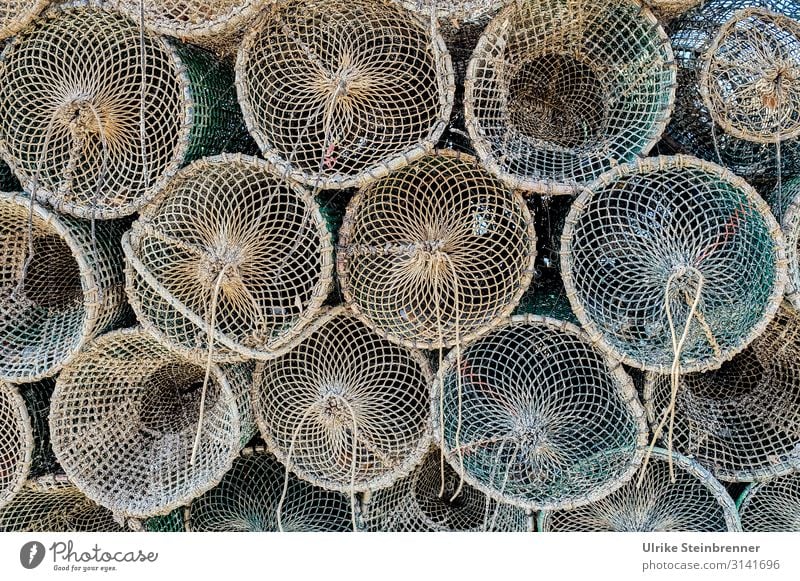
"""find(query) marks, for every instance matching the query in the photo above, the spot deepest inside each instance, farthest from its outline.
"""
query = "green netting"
(168, 523)
(772, 506)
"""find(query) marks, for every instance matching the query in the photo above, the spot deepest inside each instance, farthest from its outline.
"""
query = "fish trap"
(738, 101)
(559, 91)
(457, 11)
(124, 423)
(694, 502)
(251, 497)
(534, 416)
(15, 15)
(246, 272)
(436, 253)
(666, 10)
(772, 506)
(421, 502)
(337, 94)
(785, 203)
(672, 260)
(346, 409)
(60, 286)
(86, 131)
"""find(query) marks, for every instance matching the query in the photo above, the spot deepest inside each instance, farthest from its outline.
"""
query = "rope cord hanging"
(772, 506)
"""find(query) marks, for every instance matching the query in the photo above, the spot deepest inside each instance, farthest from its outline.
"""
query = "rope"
(279, 510)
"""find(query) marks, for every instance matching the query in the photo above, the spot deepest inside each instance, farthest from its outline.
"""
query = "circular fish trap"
(534, 416)
(421, 502)
(16, 442)
(338, 94)
(436, 253)
(15, 15)
(346, 409)
(84, 130)
(559, 91)
(785, 203)
(59, 287)
(250, 498)
(52, 505)
(772, 506)
(672, 260)
(124, 421)
(695, 502)
(741, 421)
(738, 102)
(249, 271)
(457, 11)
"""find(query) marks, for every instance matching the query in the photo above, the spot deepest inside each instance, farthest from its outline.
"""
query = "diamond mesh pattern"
(772, 506)
(785, 203)
(16, 442)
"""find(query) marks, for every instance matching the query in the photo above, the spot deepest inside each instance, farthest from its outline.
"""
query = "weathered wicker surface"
(248, 497)
(669, 226)
(695, 502)
(739, 84)
(458, 11)
(72, 100)
(414, 504)
(559, 91)
(772, 506)
(124, 418)
(346, 409)
(537, 417)
(436, 253)
(16, 442)
(230, 213)
(15, 15)
(51, 504)
(742, 422)
(70, 292)
(337, 94)
(785, 203)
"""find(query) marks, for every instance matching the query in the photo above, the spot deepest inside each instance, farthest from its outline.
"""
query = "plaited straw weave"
(772, 506)
(51, 504)
(559, 91)
(742, 422)
(70, 292)
(414, 504)
(435, 253)
(338, 94)
(16, 442)
(224, 228)
(537, 417)
(674, 227)
(124, 418)
(17, 14)
(739, 85)
(72, 100)
(785, 203)
(695, 502)
(247, 500)
(457, 11)
(346, 409)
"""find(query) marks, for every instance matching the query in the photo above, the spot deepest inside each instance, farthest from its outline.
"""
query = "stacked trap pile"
(772, 506)
(785, 203)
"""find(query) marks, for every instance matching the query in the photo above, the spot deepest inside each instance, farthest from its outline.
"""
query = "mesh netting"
(248, 500)
(669, 248)
(773, 506)
(739, 84)
(785, 203)
(537, 417)
(16, 442)
(436, 253)
(124, 419)
(337, 94)
(419, 503)
(742, 421)
(454, 10)
(694, 502)
(52, 505)
(669, 9)
(559, 91)
(346, 409)
(17, 14)
(58, 288)
(8, 181)
(82, 127)
(251, 270)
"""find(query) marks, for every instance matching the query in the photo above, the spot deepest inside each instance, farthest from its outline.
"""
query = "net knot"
(219, 257)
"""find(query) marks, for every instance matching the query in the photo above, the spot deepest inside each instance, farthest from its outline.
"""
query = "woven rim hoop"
(15, 15)
(247, 500)
(559, 91)
(419, 503)
(52, 505)
(772, 506)
(16, 442)
(695, 502)
(55, 299)
(228, 252)
(124, 419)
(85, 130)
(436, 253)
(535, 416)
(338, 94)
(346, 409)
(785, 204)
(742, 421)
(668, 248)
